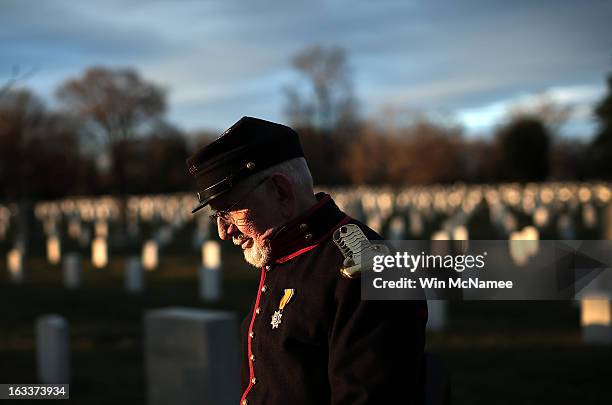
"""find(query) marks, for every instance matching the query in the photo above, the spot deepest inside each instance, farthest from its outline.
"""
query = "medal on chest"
(278, 314)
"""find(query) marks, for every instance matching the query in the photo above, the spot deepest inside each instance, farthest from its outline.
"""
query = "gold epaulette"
(355, 248)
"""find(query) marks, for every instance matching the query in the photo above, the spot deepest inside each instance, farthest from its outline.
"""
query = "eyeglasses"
(224, 213)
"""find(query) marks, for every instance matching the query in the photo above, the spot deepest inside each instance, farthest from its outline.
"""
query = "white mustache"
(238, 239)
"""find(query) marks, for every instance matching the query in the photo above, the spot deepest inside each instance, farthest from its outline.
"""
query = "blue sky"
(220, 60)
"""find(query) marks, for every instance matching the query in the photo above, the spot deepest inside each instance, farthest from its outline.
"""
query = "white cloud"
(578, 98)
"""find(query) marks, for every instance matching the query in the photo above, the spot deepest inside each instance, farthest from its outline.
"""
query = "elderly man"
(309, 338)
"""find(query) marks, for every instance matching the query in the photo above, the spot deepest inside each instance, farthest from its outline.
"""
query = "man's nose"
(225, 229)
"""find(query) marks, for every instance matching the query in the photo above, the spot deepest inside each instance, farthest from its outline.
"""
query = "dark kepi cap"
(247, 147)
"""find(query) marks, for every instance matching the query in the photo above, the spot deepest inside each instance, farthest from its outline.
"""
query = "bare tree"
(21, 113)
(329, 102)
(16, 76)
(115, 105)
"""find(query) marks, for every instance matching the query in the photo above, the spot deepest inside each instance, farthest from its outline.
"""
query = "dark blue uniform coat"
(330, 347)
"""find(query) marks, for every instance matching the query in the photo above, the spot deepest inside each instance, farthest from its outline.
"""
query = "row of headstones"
(81, 231)
(192, 355)
(76, 230)
(170, 213)
(174, 210)
(504, 220)
(368, 201)
(456, 230)
(409, 222)
(519, 249)
(382, 201)
(375, 205)
(210, 271)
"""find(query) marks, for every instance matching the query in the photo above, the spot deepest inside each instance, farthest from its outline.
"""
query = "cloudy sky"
(220, 60)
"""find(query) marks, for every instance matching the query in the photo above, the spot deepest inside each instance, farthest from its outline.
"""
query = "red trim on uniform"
(249, 346)
(295, 254)
(308, 248)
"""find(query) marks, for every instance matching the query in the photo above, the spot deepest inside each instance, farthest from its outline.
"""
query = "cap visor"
(198, 207)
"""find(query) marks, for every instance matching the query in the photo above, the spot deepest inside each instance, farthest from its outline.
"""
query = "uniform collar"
(308, 230)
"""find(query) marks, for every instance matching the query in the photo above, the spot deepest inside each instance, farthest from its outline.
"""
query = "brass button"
(252, 357)
(303, 227)
(251, 334)
(308, 236)
(245, 402)
(263, 289)
(267, 268)
(258, 310)
(254, 380)
(250, 165)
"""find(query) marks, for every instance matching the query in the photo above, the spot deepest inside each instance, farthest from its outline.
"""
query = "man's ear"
(284, 194)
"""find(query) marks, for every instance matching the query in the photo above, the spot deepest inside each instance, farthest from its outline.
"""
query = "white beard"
(257, 256)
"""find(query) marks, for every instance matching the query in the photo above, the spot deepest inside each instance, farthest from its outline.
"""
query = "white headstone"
(596, 320)
(133, 227)
(440, 235)
(211, 254)
(210, 273)
(54, 250)
(50, 226)
(461, 233)
(509, 223)
(14, 263)
(74, 228)
(210, 284)
(192, 357)
(164, 236)
(101, 229)
(149, 255)
(607, 223)
(531, 235)
(84, 237)
(440, 244)
(72, 270)
(374, 222)
(416, 223)
(566, 228)
(437, 315)
(540, 217)
(3, 229)
(589, 216)
(99, 253)
(52, 350)
(134, 277)
(397, 228)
